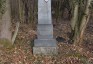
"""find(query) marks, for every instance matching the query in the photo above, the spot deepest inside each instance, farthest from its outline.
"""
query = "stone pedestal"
(45, 43)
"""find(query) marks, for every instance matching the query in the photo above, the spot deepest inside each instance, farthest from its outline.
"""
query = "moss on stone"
(6, 43)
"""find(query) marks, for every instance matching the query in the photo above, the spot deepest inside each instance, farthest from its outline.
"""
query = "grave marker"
(45, 43)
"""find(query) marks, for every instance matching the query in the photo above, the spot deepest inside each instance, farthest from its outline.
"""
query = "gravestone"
(45, 43)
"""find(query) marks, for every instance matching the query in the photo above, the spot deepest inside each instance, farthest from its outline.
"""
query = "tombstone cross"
(44, 44)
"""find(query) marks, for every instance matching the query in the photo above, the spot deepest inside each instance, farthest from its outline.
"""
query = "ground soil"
(22, 52)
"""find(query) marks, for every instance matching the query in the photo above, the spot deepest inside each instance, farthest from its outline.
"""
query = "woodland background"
(73, 30)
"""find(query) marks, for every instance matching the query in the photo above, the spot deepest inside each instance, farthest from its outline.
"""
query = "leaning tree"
(80, 18)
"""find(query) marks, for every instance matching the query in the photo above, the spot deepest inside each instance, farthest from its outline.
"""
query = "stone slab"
(45, 36)
(45, 31)
(44, 12)
(43, 27)
(45, 50)
(45, 42)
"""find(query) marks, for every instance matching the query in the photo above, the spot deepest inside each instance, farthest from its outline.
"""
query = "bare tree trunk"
(74, 24)
(6, 23)
(78, 26)
(16, 31)
(85, 20)
(75, 17)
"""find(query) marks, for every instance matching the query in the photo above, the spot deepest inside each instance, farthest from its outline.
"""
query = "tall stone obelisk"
(45, 43)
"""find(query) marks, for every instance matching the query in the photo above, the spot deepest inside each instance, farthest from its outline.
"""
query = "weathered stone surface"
(45, 50)
(45, 27)
(45, 42)
(45, 31)
(44, 12)
(45, 36)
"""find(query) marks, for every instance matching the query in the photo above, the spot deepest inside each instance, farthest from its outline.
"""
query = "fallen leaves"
(67, 53)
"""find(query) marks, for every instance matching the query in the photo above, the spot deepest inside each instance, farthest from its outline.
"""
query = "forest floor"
(21, 53)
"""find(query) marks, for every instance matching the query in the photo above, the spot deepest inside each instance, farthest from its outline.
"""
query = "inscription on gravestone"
(45, 43)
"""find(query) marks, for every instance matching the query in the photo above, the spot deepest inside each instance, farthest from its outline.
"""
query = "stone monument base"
(45, 50)
(45, 46)
(45, 43)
